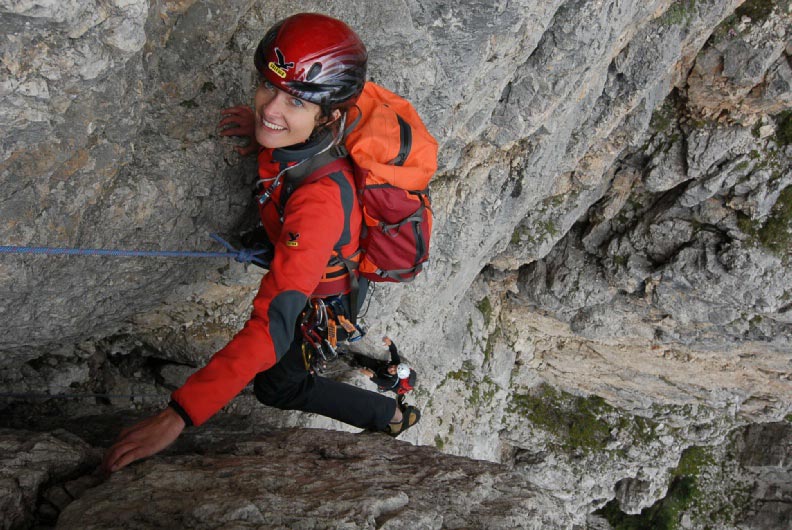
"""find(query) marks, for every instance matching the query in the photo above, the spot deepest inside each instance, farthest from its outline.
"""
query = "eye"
(266, 85)
(297, 102)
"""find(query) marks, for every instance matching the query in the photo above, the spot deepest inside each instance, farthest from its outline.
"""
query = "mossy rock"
(577, 422)
(485, 308)
(783, 135)
(665, 514)
(758, 10)
(679, 13)
(774, 234)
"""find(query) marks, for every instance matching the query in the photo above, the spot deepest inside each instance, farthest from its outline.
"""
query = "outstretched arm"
(394, 353)
(143, 439)
(302, 251)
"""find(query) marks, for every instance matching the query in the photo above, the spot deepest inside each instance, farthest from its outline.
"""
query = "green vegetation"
(756, 129)
(515, 237)
(725, 30)
(490, 345)
(641, 429)
(775, 234)
(692, 461)
(665, 513)
(742, 166)
(189, 104)
(480, 395)
(679, 13)
(576, 421)
(208, 87)
(663, 117)
(756, 10)
(788, 418)
(581, 424)
(549, 227)
(485, 308)
(439, 442)
(783, 135)
(732, 497)
(522, 233)
(542, 225)
(738, 502)
(556, 200)
(464, 374)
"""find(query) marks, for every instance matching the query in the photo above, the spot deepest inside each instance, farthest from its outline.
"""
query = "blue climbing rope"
(242, 255)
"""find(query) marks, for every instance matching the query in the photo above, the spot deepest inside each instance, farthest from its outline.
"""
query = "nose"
(276, 103)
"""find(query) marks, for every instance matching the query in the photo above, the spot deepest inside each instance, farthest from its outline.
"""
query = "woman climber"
(393, 375)
(312, 70)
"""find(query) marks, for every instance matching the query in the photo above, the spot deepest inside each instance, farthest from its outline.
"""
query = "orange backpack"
(394, 157)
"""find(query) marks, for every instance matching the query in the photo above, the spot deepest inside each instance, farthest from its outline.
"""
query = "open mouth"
(270, 125)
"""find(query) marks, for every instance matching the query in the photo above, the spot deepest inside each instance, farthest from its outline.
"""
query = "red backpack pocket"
(397, 228)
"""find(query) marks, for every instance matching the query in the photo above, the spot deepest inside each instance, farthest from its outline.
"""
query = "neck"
(314, 145)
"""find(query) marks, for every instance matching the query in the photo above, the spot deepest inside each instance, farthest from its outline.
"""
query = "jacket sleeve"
(313, 221)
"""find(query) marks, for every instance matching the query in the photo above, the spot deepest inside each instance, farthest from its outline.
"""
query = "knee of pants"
(278, 394)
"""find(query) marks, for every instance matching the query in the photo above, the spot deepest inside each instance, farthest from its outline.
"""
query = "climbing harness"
(319, 329)
(242, 255)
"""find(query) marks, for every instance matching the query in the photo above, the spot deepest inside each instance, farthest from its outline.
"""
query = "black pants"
(289, 386)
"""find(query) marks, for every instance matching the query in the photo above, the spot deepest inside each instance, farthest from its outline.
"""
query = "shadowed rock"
(305, 478)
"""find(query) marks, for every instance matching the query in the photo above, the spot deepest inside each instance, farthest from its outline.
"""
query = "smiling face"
(281, 119)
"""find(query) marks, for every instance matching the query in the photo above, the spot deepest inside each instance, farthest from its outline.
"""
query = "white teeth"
(272, 125)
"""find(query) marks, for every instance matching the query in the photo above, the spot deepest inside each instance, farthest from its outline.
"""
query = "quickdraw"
(319, 325)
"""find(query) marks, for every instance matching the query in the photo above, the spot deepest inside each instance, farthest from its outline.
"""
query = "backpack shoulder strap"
(321, 166)
(316, 166)
(331, 165)
(312, 170)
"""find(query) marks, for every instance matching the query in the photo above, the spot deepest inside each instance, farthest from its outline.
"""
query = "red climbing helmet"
(314, 57)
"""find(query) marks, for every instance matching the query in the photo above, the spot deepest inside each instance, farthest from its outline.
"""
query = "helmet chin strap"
(307, 156)
(308, 149)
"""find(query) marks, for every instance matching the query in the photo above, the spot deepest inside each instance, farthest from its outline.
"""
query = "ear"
(334, 116)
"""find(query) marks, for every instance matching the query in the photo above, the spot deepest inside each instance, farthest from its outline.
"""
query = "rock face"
(296, 479)
(610, 278)
(742, 483)
(29, 465)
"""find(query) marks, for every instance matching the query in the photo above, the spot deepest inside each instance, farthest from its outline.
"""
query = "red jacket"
(318, 217)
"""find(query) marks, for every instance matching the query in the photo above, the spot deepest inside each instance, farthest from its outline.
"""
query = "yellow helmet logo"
(280, 72)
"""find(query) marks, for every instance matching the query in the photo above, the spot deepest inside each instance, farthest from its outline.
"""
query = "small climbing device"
(323, 325)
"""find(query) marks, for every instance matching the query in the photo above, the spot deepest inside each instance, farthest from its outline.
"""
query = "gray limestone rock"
(744, 72)
(611, 221)
(744, 483)
(305, 478)
(29, 462)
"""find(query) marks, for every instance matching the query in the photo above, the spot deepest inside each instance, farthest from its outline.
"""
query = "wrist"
(174, 410)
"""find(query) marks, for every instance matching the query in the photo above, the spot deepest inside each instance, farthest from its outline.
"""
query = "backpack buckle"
(340, 151)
